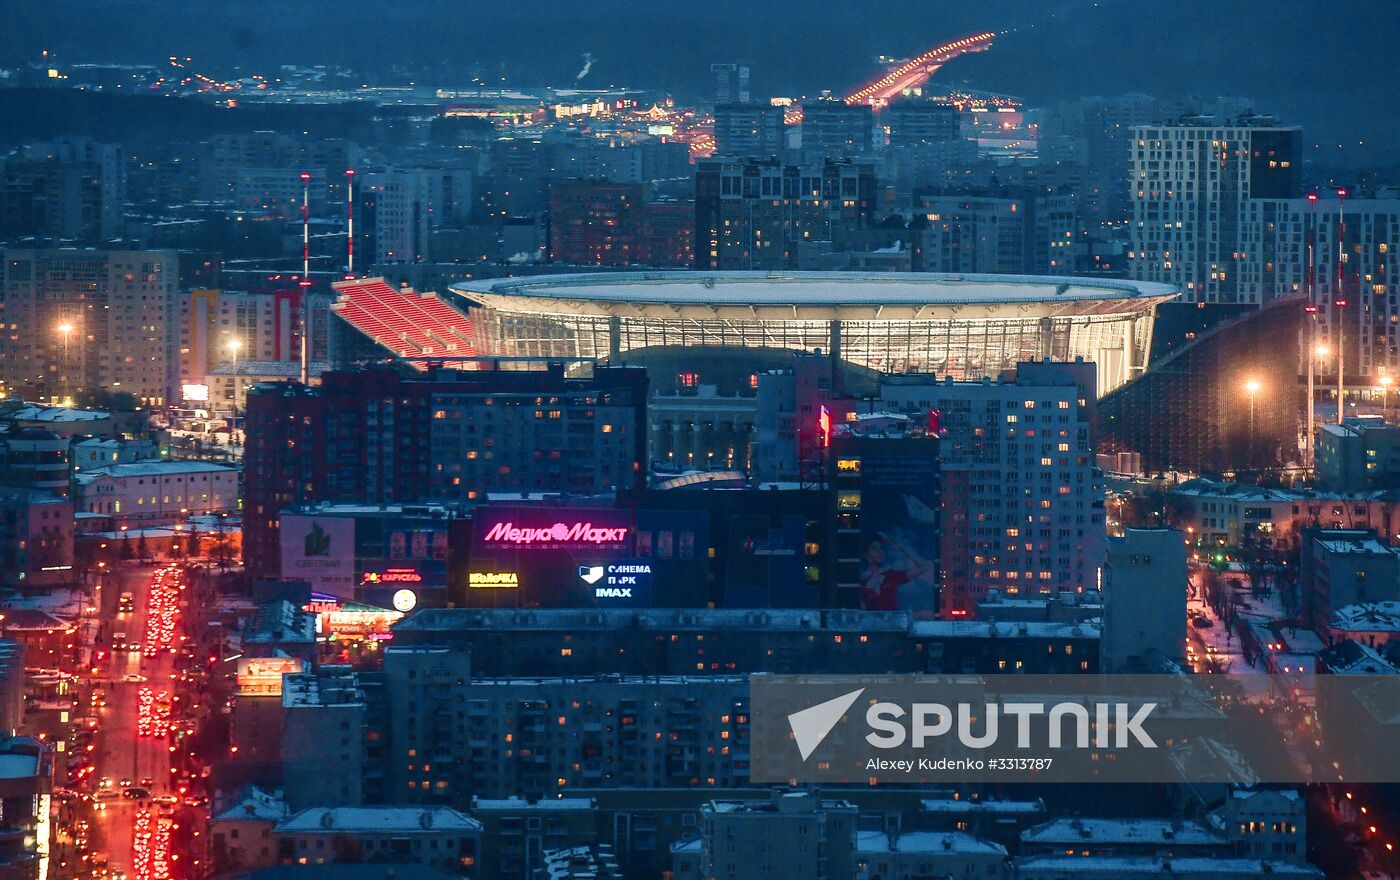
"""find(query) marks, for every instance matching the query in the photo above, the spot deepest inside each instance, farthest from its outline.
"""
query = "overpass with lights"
(909, 75)
(914, 72)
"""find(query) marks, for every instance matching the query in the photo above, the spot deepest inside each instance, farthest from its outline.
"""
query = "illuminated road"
(914, 72)
(122, 755)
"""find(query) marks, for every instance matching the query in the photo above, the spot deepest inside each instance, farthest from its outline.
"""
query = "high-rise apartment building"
(392, 215)
(261, 171)
(596, 223)
(913, 121)
(1194, 187)
(1022, 498)
(70, 188)
(1144, 611)
(396, 209)
(379, 436)
(749, 130)
(731, 82)
(76, 319)
(831, 128)
(752, 214)
(325, 722)
(1019, 495)
(453, 737)
(1016, 232)
(1343, 252)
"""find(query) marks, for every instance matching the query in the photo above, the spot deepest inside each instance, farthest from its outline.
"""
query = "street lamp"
(1252, 387)
(1318, 353)
(66, 328)
(233, 346)
(1340, 301)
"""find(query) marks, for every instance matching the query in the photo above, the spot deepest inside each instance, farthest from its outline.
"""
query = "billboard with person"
(899, 500)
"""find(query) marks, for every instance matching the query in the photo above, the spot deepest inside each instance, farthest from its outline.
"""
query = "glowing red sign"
(392, 576)
(824, 426)
(935, 421)
(501, 529)
(559, 533)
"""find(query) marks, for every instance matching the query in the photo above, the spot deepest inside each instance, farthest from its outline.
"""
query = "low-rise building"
(1135, 867)
(65, 421)
(241, 831)
(48, 642)
(1160, 838)
(994, 819)
(517, 834)
(158, 492)
(1345, 567)
(1371, 623)
(280, 629)
(1144, 609)
(437, 837)
(790, 834)
(914, 855)
(1063, 607)
(34, 458)
(11, 687)
(581, 863)
(36, 541)
(324, 725)
(100, 452)
(1353, 658)
(1264, 823)
(1236, 513)
(26, 789)
(1359, 456)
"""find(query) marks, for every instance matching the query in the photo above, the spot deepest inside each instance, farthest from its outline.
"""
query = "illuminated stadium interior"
(964, 326)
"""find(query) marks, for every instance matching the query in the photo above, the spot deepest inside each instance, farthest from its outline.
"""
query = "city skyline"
(457, 441)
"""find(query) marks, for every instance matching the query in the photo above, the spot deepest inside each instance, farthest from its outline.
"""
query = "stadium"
(963, 326)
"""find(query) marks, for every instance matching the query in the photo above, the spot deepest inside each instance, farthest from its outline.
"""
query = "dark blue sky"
(1330, 65)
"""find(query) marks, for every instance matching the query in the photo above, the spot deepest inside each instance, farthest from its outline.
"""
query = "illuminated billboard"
(394, 553)
(554, 557)
(898, 502)
(626, 583)
(321, 551)
(262, 676)
(342, 620)
(549, 528)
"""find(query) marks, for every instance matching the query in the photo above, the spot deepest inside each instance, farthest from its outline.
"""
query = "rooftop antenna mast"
(305, 277)
(350, 222)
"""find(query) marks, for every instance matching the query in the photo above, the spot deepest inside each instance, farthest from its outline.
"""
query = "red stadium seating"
(406, 323)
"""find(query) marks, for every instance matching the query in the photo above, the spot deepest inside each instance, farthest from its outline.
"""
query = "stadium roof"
(817, 295)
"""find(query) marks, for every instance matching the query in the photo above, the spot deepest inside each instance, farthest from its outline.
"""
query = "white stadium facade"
(963, 326)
